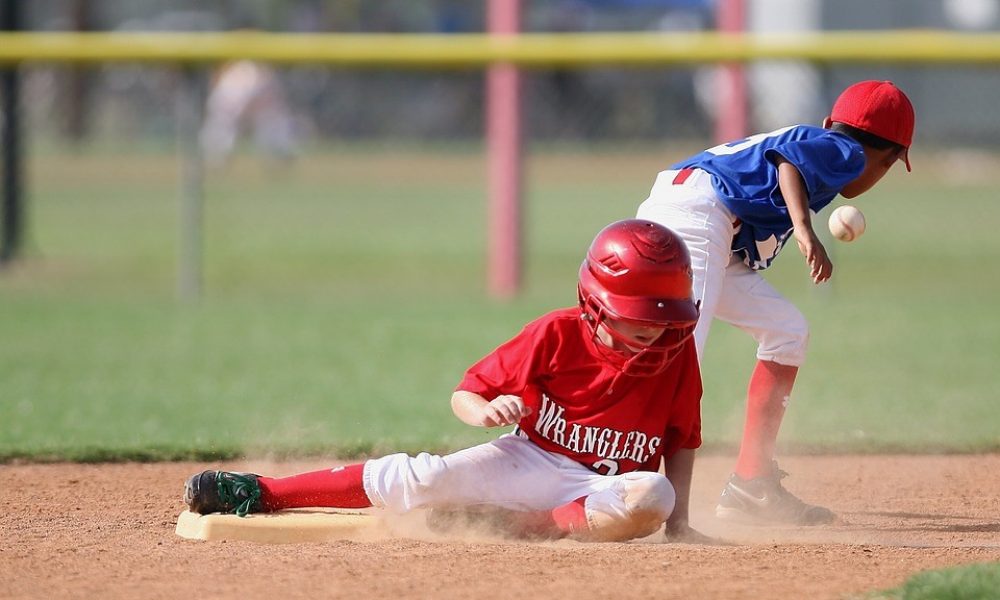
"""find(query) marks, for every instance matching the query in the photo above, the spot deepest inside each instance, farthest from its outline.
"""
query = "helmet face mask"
(628, 355)
(638, 274)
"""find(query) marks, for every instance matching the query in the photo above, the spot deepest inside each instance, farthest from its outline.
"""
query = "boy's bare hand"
(820, 267)
(682, 533)
(504, 410)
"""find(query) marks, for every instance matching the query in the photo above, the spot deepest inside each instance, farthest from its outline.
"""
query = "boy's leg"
(634, 505)
(508, 472)
(623, 507)
(340, 487)
(693, 211)
(520, 487)
(243, 493)
(767, 398)
(782, 335)
(531, 491)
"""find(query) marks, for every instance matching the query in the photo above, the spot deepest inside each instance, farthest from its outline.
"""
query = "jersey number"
(738, 145)
(611, 465)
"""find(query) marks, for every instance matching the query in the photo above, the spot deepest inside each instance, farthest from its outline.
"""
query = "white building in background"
(784, 92)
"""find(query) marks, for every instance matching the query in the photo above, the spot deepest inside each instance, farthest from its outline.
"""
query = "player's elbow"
(457, 402)
(466, 406)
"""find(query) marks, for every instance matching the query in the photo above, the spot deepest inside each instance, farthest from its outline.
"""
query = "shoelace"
(780, 474)
(233, 487)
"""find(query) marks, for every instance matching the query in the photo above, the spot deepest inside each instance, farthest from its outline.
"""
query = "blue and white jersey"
(745, 176)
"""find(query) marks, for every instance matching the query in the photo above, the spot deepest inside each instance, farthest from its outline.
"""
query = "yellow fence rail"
(476, 50)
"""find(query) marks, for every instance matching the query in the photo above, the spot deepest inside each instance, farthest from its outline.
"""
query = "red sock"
(556, 523)
(767, 396)
(571, 517)
(341, 487)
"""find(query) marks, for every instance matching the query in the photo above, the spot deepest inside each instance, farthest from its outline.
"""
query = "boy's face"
(631, 337)
(877, 164)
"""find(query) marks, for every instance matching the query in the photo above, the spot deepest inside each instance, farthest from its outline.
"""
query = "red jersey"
(584, 408)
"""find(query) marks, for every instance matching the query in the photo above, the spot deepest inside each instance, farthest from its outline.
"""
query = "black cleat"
(763, 500)
(223, 492)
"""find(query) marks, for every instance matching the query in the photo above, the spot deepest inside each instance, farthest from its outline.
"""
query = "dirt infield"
(82, 531)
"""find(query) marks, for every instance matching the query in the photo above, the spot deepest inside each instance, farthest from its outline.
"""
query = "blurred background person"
(246, 95)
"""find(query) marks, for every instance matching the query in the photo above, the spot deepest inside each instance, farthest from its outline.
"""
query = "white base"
(282, 527)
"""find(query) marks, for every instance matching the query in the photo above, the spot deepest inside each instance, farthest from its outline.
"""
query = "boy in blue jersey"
(735, 205)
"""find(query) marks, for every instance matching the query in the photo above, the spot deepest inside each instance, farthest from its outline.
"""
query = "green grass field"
(345, 296)
(968, 582)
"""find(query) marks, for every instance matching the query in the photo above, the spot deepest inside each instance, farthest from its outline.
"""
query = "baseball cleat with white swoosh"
(763, 500)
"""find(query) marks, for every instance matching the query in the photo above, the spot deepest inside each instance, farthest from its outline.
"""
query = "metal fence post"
(11, 208)
(190, 109)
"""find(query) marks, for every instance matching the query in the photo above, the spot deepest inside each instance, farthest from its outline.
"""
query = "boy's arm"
(473, 409)
(797, 202)
(678, 469)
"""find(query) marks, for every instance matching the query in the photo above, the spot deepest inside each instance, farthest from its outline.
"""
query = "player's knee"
(649, 498)
(425, 472)
(786, 344)
(400, 482)
(635, 507)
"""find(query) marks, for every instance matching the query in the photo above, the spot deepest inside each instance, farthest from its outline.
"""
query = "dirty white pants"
(727, 288)
(512, 472)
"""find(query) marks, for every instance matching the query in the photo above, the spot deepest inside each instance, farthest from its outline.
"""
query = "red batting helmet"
(639, 272)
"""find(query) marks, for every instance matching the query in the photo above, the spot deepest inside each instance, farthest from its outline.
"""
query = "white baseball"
(847, 223)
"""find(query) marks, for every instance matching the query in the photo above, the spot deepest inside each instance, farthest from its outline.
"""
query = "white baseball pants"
(727, 288)
(512, 472)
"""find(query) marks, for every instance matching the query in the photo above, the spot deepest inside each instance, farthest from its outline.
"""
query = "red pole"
(503, 141)
(731, 118)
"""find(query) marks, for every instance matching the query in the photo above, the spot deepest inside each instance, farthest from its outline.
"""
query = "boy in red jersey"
(600, 393)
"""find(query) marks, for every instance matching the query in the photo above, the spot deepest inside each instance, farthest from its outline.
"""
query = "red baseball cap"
(880, 108)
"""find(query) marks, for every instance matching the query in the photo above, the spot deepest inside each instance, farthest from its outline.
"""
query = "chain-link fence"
(95, 133)
(562, 106)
